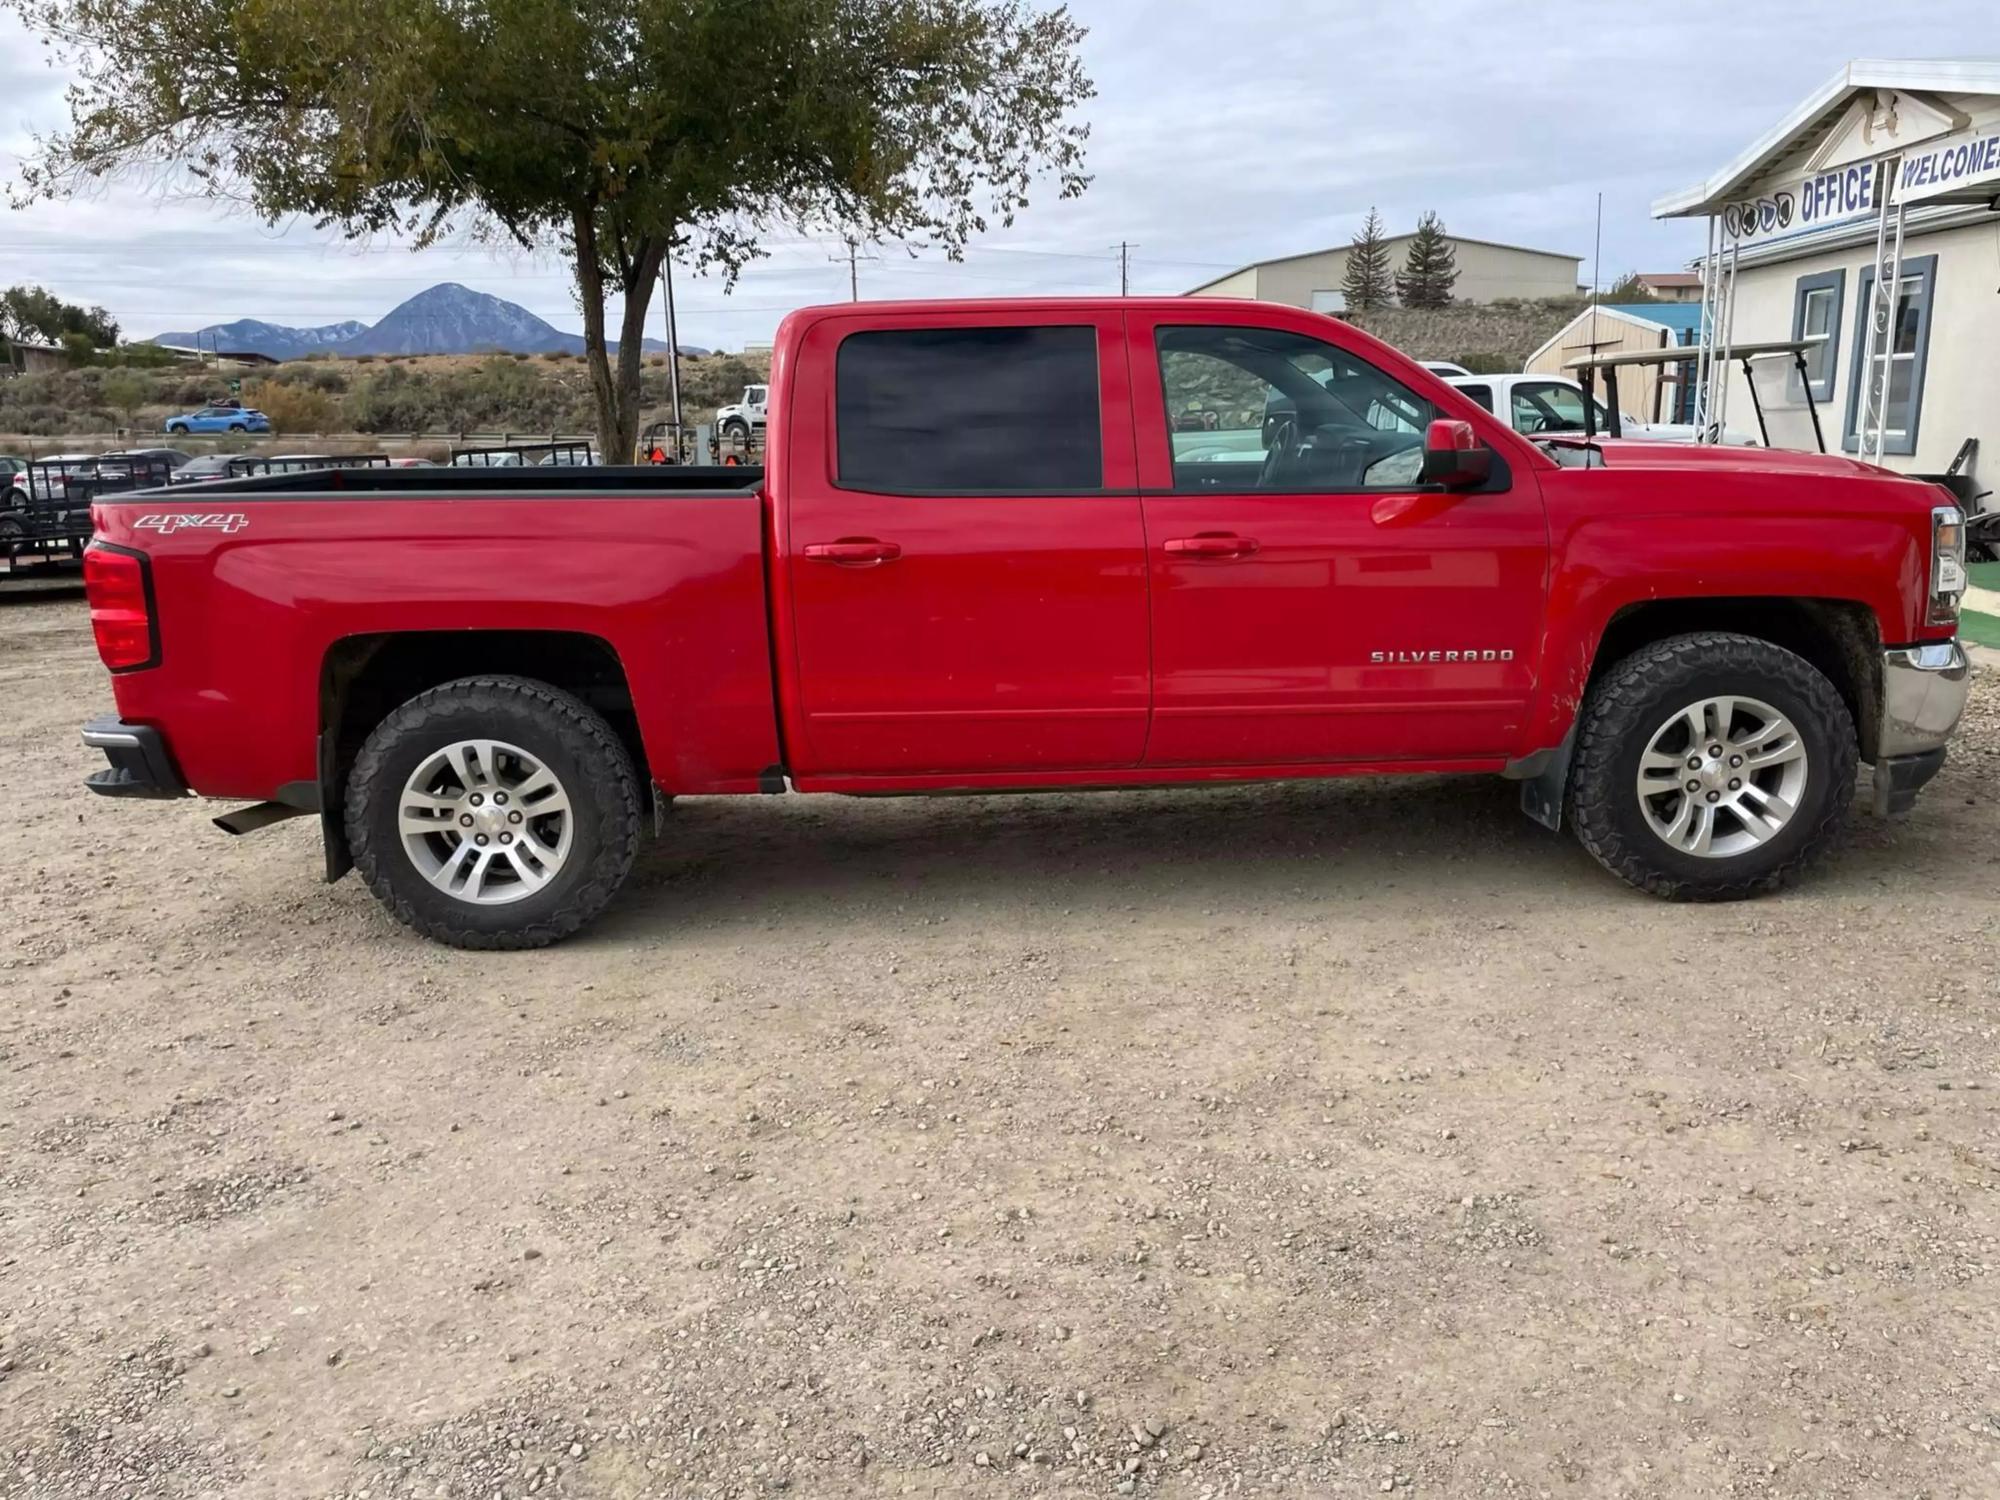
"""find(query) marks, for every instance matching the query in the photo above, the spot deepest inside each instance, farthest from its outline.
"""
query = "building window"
(1816, 315)
(1901, 367)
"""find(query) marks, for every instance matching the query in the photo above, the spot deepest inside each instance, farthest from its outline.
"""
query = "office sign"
(1838, 196)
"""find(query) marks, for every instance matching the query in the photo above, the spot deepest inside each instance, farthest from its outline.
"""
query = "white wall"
(1961, 393)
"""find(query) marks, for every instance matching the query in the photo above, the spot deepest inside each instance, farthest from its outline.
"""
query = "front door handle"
(853, 549)
(1213, 544)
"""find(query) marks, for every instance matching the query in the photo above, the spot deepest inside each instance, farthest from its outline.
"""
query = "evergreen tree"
(1431, 270)
(1367, 284)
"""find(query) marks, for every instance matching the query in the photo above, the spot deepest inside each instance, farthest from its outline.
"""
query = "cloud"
(1220, 135)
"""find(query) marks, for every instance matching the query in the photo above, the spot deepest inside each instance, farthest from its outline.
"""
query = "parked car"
(202, 470)
(216, 418)
(737, 423)
(173, 458)
(980, 562)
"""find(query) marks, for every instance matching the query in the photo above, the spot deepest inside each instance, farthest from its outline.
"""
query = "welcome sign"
(1961, 167)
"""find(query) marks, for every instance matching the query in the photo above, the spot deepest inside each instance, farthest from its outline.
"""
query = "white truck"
(737, 423)
(1537, 404)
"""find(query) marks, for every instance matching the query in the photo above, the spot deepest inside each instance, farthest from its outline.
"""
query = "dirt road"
(1303, 1140)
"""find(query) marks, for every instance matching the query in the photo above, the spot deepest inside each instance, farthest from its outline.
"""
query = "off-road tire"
(567, 736)
(1629, 703)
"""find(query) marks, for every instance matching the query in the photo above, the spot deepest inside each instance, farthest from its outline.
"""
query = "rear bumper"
(1924, 689)
(140, 765)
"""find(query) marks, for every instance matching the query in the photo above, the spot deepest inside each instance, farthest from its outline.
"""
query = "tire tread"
(619, 819)
(1612, 713)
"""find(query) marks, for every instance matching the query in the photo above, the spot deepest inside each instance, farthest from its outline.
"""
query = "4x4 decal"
(174, 521)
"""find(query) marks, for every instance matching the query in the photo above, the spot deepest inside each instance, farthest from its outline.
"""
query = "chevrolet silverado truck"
(990, 552)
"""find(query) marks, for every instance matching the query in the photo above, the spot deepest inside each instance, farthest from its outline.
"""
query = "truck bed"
(270, 588)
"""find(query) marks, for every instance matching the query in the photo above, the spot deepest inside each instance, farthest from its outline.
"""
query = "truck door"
(962, 546)
(1311, 600)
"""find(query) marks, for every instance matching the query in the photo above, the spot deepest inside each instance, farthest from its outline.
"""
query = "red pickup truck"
(1031, 544)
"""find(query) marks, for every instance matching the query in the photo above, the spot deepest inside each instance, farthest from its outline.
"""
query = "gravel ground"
(1305, 1140)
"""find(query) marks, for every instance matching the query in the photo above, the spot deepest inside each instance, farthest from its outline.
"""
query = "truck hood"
(1638, 453)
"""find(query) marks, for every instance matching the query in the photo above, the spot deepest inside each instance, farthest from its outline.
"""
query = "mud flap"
(1544, 778)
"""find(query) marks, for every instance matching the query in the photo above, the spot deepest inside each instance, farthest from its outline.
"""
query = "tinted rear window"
(969, 409)
(1483, 394)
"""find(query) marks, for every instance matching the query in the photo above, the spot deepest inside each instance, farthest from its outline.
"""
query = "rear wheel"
(494, 812)
(1712, 767)
(238, 427)
(179, 429)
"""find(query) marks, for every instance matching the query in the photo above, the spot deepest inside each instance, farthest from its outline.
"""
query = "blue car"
(220, 419)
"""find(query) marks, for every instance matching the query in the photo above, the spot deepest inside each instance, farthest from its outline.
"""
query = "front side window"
(983, 409)
(1897, 368)
(1261, 408)
(1816, 316)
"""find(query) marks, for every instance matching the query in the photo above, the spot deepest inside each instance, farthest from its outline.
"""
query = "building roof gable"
(1829, 108)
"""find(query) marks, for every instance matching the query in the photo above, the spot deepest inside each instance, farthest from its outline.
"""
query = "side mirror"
(1453, 456)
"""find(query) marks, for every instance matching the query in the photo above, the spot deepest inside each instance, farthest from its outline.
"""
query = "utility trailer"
(246, 465)
(51, 526)
(571, 453)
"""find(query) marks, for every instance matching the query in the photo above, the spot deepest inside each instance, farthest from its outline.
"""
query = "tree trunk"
(615, 385)
(590, 292)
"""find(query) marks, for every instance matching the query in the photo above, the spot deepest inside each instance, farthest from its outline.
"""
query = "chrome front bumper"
(1923, 692)
(1924, 689)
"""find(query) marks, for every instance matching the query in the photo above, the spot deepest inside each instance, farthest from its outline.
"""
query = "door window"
(958, 410)
(1266, 409)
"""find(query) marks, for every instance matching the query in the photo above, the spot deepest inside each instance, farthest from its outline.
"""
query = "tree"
(1430, 270)
(613, 130)
(1629, 288)
(1366, 284)
(33, 312)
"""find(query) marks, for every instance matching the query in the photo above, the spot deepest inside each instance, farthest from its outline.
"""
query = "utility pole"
(853, 257)
(673, 349)
(1125, 268)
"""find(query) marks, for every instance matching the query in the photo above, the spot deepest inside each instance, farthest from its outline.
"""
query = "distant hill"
(257, 337)
(444, 319)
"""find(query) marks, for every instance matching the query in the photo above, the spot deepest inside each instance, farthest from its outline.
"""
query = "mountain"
(259, 337)
(445, 319)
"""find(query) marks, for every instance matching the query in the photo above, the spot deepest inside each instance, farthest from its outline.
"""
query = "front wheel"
(1712, 767)
(736, 430)
(494, 812)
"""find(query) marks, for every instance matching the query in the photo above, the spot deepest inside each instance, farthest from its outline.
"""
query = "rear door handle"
(1212, 544)
(853, 549)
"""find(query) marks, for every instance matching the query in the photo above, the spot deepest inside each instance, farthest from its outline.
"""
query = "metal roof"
(1387, 239)
(1943, 75)
(1682, 317)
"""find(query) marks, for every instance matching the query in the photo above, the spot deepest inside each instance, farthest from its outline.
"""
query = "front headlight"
(1947, 565)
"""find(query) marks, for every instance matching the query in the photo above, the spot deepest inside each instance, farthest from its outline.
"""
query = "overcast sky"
(1221, 134)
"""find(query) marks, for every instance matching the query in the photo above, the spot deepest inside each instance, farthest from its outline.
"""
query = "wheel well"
(1839, 637)
(366, 677)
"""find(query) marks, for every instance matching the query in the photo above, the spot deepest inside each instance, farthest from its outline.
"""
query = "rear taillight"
(120, 589)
